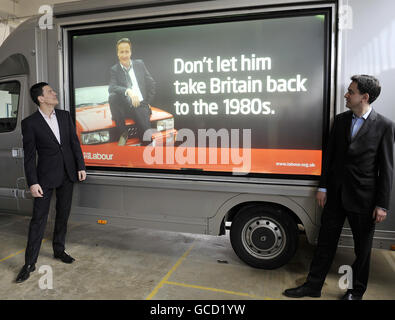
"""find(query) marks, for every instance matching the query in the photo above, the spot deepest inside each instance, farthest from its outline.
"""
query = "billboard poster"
(232, 96)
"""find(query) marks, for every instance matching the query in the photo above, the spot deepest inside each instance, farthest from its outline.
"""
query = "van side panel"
(181, 205)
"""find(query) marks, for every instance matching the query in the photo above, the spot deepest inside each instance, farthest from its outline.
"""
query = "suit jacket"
(119, 83)
(358, 171)
(53, 158)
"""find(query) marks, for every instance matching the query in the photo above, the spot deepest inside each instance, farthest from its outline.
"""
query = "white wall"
(369, 48)
(4, 32)
(14, 12)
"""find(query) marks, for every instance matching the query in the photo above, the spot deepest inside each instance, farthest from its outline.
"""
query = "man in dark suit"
(356, 183)
(131, 90)
(50, 135)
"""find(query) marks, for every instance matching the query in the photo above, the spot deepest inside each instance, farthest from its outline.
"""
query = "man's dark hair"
(124, 40)
(368, 84)
(37, 90)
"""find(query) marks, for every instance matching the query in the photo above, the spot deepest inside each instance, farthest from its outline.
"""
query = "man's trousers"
(362, 227)
(121, 108)
(39, 220)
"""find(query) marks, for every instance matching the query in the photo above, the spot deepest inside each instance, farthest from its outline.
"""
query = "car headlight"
(166, 124)
(95, 137)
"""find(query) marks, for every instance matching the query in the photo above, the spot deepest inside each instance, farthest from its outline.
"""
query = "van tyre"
(264, 237)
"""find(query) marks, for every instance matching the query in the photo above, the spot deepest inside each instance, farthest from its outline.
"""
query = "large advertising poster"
(231, 96)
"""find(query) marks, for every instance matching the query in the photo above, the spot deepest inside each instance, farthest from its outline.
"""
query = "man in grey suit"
(356, 183)
(131, 91)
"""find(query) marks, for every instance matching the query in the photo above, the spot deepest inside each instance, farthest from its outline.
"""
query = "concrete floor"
(118, 263)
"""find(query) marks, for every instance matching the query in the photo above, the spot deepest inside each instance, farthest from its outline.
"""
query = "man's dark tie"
(128, 79)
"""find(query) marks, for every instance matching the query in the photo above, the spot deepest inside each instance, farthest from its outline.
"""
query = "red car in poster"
(95, 126)
(97, 131)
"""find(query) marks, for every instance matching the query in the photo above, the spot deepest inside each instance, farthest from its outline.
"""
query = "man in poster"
(131, 91)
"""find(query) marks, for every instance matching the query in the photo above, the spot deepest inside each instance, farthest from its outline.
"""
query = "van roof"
(100, 6)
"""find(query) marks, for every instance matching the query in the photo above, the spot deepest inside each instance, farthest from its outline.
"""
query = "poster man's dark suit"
(57, 169)
(121, 105)
(357, 173)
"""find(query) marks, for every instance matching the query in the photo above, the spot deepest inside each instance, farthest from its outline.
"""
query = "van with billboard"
(245, 94)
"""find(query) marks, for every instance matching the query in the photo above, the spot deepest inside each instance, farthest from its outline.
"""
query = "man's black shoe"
(302, 291)
(123, 138)
(350, 296)
(64, 257)
(25, 272)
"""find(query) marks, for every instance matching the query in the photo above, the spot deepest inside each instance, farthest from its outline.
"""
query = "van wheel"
(264, 237)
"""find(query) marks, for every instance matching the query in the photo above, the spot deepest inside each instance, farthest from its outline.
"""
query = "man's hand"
(36, 191)
(379, 215)
(135, 99)
(82, 175)
(321, 198)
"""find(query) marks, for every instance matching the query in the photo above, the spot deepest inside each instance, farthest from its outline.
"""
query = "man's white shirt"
(135, 85)
(52, 123)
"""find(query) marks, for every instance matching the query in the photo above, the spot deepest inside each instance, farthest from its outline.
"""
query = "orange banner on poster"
(275, 161)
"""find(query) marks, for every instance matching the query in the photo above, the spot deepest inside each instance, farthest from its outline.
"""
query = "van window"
(9, 100)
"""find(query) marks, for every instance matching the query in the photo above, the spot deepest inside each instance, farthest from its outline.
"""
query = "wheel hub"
(263, 238)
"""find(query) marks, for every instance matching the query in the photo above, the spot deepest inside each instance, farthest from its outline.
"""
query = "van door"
(12, 180)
